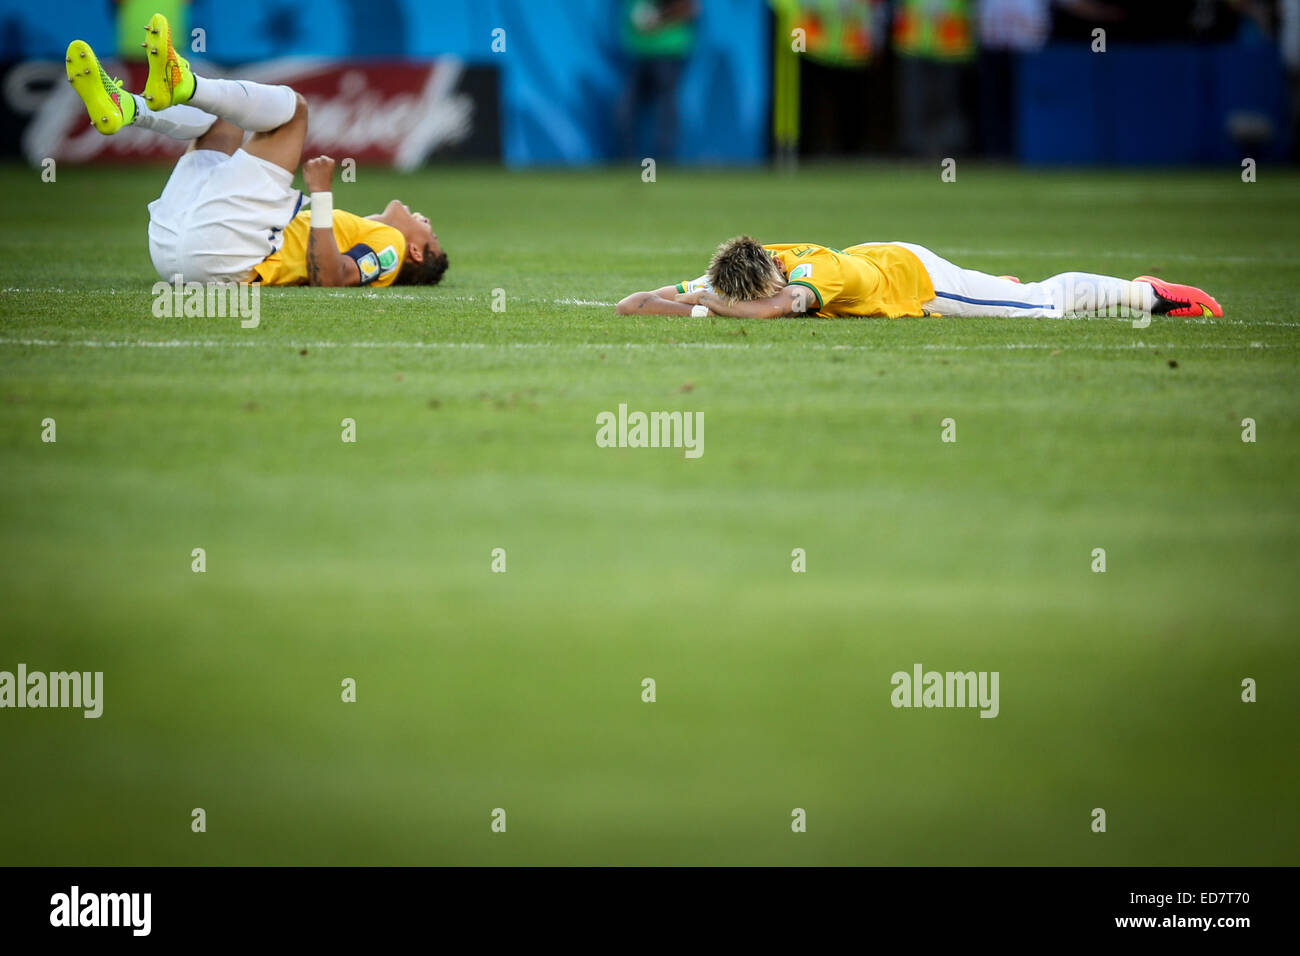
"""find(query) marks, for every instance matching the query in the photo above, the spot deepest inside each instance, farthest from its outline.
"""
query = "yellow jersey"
(871, 279)
(377, 248)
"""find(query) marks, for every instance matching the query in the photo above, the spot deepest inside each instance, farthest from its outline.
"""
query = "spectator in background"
(658, 36)
(935, 42)
(1007, 30)
(841, 83)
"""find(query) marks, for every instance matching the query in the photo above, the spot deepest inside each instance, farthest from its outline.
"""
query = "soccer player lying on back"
(895, 279)
(229, 212)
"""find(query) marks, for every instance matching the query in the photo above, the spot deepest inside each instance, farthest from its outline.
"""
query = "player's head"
(742, 270)
(425, 261)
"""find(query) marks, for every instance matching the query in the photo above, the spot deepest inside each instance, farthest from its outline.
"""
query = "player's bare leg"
(282, 145)
(222, 136)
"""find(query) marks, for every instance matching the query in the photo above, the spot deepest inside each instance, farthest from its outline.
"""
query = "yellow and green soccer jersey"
(873, 279)
(376, 247)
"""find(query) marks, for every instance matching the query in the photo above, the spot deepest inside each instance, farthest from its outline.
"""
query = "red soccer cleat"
(1011, 278)
(1181, 300)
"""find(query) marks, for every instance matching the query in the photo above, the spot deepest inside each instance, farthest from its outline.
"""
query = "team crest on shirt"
(803, 271)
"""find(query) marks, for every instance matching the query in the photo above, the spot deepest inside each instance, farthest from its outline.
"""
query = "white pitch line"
(1113, 254)
(612, 346)
(380, 295)
(365, 294)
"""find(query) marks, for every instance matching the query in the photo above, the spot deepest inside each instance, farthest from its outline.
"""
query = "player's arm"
(662, 301)
(792, 300)
(326, 264)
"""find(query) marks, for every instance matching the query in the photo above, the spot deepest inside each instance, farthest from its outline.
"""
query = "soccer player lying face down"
(742, 270)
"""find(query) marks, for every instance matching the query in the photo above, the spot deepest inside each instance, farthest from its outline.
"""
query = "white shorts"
(219, 216)
(965, 292)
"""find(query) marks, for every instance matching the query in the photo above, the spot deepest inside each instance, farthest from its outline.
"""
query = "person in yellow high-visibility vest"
(934, 29)
(828, 52)
(934, 40)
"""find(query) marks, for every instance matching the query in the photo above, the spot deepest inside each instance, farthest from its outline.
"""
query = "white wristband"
(700, 311)
(322, 210)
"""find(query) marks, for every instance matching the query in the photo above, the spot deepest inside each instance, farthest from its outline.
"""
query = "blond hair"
(742, 270)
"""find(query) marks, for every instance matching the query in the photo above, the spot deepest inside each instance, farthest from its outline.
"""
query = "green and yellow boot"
(110, 106)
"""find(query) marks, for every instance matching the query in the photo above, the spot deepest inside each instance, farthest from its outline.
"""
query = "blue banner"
(564, 70)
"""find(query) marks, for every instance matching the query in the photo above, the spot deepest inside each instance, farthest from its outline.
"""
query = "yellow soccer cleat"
(170, 80)
(109, 105)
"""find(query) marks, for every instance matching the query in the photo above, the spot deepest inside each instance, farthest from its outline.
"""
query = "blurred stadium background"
(711, 81)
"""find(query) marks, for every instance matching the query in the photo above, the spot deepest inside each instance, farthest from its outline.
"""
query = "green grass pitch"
(522, 691)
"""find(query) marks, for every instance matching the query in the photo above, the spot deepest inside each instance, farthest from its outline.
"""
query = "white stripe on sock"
(178, 122)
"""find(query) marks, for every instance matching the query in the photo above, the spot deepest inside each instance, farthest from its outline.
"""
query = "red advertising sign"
(398, 114)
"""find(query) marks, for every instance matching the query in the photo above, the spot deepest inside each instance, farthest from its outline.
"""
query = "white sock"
(1144, 293)
(1083, 293)
(250, 106)
(178, 122)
